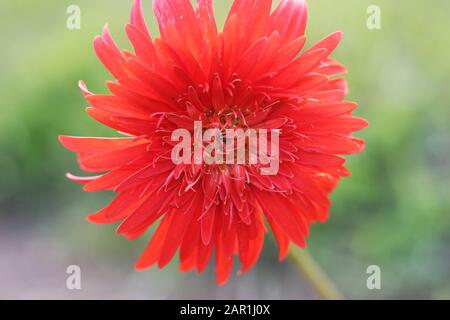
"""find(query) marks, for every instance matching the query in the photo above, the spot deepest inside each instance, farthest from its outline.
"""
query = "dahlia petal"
(116, 158)
(224, 256)
(250, 249)
(258, 25)
(336, 171)
(189, 263)
(217, 94)
(153, 249)
(181, 121)
(289, 18)
(336, 84)
(314, 211)
(188, 247)
(184, 60)
(143, 45)
(116, 106)
(109, 55)
(138, 100)
(323, 111)
(253, 17)
(251, 57)
(141, 127)
(181, 15)
(224, 266)
(81, 180)
(207, 225)
(327, 96)
(315, 186)
(135, 235)
(175, 235)
(154, 81)
(106, 118)
(84, 89)
(107, 181)
(299, 67)
(286, 216)
(153, 170)
(245, 214)
(95, 145)
(331, 143)
(288, 52)
(309, 83)
(147, 211)
(231, 43)
(261, 182)
(266, 60)
(320, 159)
(329, 43)
(178, 228)
(115, 211)
(203, 256)
(206, 21)
(281, 238)
(272, 124)
(106, 36)
(331, 67)
(340, 125)
(281, 183)
(137, 17)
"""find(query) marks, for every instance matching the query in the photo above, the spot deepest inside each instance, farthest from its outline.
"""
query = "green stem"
(316, 277)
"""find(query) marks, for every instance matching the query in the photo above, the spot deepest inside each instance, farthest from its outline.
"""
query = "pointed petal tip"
(98, 40)
(94, 219)
(222, 282)
(88, 188)
(364, 123)
(65, 141)
(283, 254)
(61, 139)
(338, 35)
(143, 263)
(106, 33)
(80, 180)
(141, 266)
(281, 257)
(69, 176)
(84, 89)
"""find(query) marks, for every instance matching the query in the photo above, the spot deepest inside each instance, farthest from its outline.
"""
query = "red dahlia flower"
(253, 74)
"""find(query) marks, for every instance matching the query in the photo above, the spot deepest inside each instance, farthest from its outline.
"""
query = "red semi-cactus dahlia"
(253, 74)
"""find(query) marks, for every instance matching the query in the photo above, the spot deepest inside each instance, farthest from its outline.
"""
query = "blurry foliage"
(393, 211)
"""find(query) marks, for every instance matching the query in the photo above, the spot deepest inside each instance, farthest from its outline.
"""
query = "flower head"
(255, 74)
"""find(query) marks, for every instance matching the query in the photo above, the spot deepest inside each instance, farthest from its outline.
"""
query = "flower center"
(226, 118)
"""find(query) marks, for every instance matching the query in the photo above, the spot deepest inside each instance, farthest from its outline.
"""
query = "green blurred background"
(393, 212)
